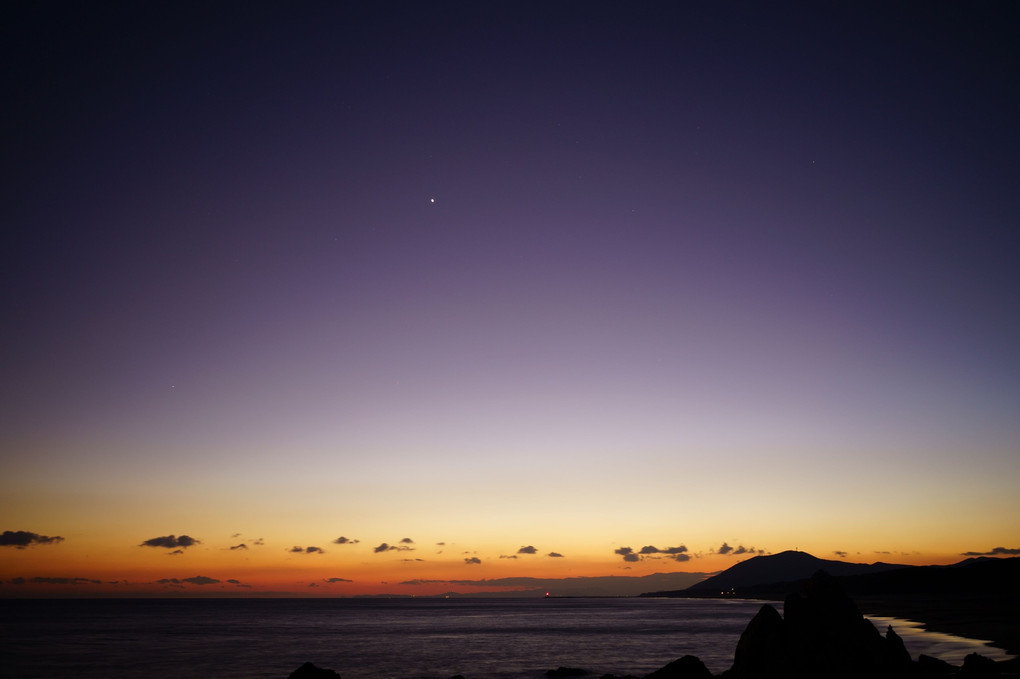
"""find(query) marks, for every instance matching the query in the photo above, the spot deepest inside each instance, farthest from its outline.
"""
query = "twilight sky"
(441, 293)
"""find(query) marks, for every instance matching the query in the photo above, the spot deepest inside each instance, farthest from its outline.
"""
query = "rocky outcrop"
(310, 671)
(822, 634)
(976, 665)
(687, 667)
(763, 649)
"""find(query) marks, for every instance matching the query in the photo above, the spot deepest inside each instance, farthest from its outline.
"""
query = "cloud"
(172, 582)
(840, 553)
(996, 551)
(19, 539)
(240, 546)
(738, 550)
(669, 551)
(610, 585)
(555, 555)
(345, 541)
(406, 541)
(472, 560)
(386, 547)
(195, 580)
(508, 556)
(306, 550)
(234, 582)
(527, 550)
(61, 581)
(678, 553)
(171, 542)
(332, 580)
(259, 542)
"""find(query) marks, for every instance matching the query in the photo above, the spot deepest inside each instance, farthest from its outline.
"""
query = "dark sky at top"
(503, 227)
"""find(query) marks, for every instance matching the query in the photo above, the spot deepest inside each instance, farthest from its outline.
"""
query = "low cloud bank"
(19, 539)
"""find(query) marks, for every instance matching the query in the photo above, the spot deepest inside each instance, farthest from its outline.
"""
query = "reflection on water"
(384, 639)
(946, 647)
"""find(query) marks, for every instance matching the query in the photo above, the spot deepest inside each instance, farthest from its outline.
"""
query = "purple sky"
(659, 233)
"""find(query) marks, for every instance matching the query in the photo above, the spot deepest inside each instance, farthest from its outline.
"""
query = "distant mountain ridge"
(789, 566)
(775, 576)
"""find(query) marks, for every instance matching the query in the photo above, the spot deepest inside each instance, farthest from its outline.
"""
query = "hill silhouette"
(785, 567)
(976, 598)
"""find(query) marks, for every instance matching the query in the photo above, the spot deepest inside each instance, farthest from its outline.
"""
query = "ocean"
(383, 638)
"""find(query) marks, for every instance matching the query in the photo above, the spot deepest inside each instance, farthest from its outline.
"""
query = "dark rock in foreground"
(975, 665)
(687, 667)
(310, 671)
(823, 635)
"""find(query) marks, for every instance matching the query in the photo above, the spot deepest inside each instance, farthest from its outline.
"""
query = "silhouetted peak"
(310, 671)
(785, 567)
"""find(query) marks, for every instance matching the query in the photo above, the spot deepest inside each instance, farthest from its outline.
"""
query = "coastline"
(982, 618)
(985, 618)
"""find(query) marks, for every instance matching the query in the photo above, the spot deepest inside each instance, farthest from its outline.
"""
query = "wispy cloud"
(171, 542)
(726, 548)
(333, 580)
(555, 555)
(54, 581)
(306, 550)
(345, 541)
(194, 580)
(996, 551)
(19, 539)
(240, 546)
(651, 551)
(386, 547)
(611, 585)
(471, 561)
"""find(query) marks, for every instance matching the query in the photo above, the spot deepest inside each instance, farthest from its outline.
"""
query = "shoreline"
(993, 620)
(985, 619)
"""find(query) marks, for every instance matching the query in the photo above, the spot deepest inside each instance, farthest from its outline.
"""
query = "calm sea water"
(380, 638)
